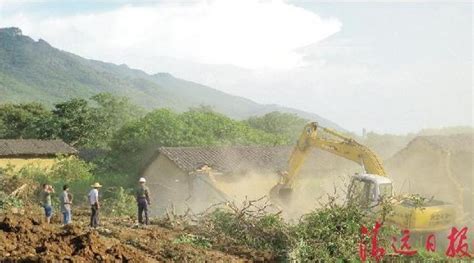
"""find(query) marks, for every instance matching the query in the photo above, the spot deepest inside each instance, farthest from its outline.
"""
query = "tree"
(26, 120)
(157, 128)
(204, 127)
(3, 129)
(73, 121)
(109, 115)
(85, 124)
(288, 125)
(133, 144)
(136, 141)
(164, 127)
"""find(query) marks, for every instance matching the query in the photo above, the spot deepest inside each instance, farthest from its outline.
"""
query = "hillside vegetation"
(128, 135)
(35, 71)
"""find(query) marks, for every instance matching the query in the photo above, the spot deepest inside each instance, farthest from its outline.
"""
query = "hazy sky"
(388, 67)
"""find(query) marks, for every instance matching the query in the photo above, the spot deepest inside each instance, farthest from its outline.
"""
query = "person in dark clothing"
(95, 205)
(143, 201)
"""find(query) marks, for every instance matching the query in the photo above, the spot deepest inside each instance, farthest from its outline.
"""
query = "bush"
(324, 234)
(194, 240)
(249, 226)
(67, 170)
(22, 187)
(119, 202)
(7, 202)
(71, 169)
(424, 256)
(334, 232)
(330, 232)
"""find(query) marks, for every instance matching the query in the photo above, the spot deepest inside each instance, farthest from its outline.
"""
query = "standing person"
(46, 201)
(95, 205)
(65, 204)
(70, 197)
(143, 200)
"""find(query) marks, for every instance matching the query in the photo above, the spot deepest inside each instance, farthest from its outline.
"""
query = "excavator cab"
(368, 189)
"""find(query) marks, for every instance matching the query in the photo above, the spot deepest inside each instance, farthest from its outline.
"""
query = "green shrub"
(70, 169)
(330, 232)
(261, 232)
(113, 179)
(7, 202)
(32, 172)
(334, 232)
(12, 180)
(194, 240)
(425, 256)
(67, 170)
(119, 202)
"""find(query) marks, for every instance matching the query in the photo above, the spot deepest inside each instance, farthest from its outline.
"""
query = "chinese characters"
(458, 245)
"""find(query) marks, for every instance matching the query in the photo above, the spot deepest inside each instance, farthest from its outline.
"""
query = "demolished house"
(18, 153)
(439, 166)
(196, 177)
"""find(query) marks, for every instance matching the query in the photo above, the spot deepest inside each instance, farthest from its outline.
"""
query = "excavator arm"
(366, 189)
(315, 136)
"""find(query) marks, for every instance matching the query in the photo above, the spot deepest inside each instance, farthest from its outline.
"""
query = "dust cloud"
(442, 171)
(309, 193)
(438, 167)
(322, 175)
(251, 186)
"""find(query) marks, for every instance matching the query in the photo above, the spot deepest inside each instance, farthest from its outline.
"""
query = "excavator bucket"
(281, 195)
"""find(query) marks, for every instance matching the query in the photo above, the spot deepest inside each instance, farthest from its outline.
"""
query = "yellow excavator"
(369, 188)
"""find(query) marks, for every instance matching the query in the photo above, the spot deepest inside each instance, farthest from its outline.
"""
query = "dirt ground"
(436, 166)
(24, 238)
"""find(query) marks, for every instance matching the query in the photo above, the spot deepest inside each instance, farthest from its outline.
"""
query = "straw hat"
(96, 185)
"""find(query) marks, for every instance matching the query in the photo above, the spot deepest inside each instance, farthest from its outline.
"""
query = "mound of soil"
(438, 166)
(25, 239)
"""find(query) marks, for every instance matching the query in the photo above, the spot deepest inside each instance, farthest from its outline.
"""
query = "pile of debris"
(439, 166)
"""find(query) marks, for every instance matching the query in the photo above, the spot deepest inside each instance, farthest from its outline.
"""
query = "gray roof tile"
(229, 158)
(22, 147)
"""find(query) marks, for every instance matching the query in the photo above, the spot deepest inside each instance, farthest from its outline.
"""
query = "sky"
(389, 67)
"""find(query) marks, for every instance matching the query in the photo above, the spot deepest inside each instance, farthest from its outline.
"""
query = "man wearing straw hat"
(95, 205)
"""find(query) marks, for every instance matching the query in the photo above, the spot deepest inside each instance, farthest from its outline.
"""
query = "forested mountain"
(35, 71)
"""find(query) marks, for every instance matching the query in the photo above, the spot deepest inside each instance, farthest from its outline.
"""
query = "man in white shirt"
(95, 205)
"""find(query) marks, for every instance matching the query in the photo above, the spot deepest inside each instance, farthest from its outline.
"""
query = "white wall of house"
(168, 185)
(171, 186)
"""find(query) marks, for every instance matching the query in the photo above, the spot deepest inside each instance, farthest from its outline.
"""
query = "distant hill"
(35, 71)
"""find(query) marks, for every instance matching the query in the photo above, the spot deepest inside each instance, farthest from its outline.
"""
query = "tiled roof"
(29, 147)
(229, 159)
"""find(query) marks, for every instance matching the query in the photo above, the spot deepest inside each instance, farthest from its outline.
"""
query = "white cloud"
(367, 77)
(244, 33)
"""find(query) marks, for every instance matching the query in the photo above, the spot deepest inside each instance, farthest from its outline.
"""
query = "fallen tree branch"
(18, 191)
